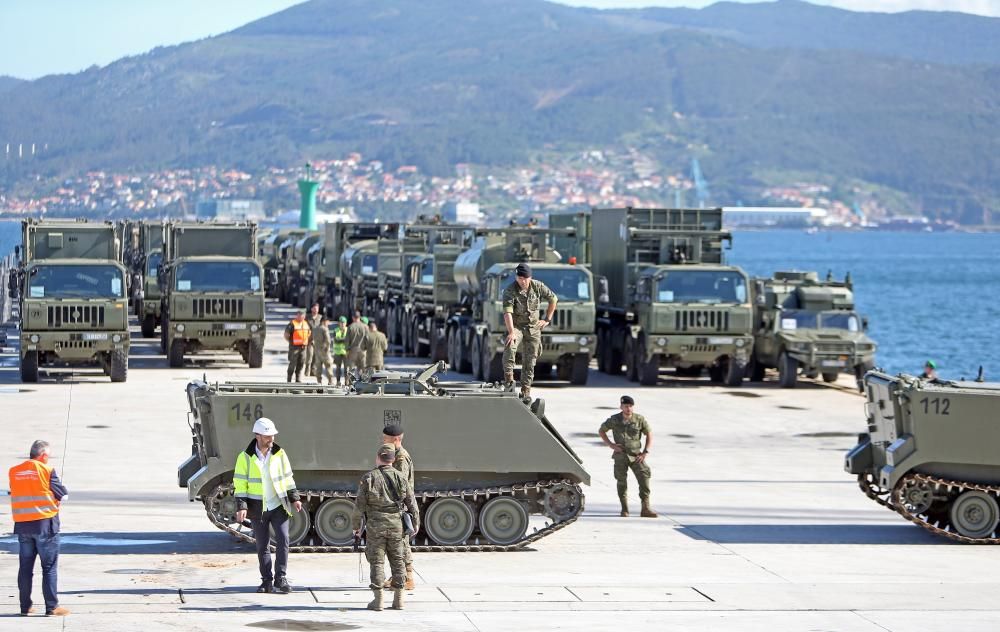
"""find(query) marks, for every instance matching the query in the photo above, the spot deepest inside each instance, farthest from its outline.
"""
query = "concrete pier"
(760, 527)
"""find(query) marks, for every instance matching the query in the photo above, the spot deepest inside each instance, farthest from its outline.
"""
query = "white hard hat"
(265, 426)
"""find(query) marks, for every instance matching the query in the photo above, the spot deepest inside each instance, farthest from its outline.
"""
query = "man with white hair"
(265, 488)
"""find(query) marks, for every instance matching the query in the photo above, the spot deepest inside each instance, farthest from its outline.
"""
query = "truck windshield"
(803, 319)
(153, 262)
(369, 264)
(217, 276)
(701, 286)
(568, 284)
(75, 281)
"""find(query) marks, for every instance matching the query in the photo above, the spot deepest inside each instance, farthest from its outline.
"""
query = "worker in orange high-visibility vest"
(297, 333)
(35, 493)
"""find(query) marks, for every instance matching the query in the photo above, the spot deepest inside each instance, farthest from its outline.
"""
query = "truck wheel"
(543, 370)
(420, 349)
(755, 370)
(715, 373)
(255, 354)
(119, 365)
(390, 326)
(439, 344)
(631, 360)
(648, 372)
(859, 373)
(176, 356)
(581, 369)
(463, 358)
(829, 378)
(164, 328)
(788, 370)
(148, 326)
(29, 366)
(614, 359)
(493, 366)
(734, 373)
(477, 359)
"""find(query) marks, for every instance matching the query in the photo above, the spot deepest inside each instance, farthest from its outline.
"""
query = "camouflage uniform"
(357, 334)
(628, 434)
(404, 464)
(322, 361)
(314, 322)
(384, 525)
(523, 307)
(375, 347)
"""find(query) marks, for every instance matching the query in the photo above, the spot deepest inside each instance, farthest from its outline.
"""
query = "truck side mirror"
(864, 323)
(12, 288)
(758, 290)
(603, 293)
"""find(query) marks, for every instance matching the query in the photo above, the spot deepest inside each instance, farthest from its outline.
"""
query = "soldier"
(357, 333)
(627, 429)
(322, 362)
(340, 347)
(313, 319)
(930, 371)
(393, 434)
(382, 495)
(520, 315)
(375, 347)
(297, 333)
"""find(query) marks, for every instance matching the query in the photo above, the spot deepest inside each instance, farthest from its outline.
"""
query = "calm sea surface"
(926, 295)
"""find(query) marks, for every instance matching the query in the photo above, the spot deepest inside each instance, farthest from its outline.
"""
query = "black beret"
(392, 430)
(523, 270)
(627, 399)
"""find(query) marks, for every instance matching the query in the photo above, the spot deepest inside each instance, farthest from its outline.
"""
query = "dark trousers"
(296, 360)
(278, 520)
(46, 547)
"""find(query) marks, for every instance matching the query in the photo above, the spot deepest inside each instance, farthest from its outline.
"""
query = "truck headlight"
(179, 327)
(254, 327)
(583, 340)
(740, 342)
(116, 338)
(661, 341)
(34, 338)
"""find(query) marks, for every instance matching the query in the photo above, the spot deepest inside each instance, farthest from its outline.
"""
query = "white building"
(771, 216)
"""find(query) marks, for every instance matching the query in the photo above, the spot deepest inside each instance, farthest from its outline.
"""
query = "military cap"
(364, 319)
(343, 319)
(932, 364)
(392, 430)
(627, 399)
(387, 452)
(523, 270)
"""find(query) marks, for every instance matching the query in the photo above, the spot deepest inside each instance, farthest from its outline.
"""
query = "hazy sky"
(40, 37)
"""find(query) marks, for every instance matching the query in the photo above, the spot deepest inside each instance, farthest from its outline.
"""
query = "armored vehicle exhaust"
(491, 473)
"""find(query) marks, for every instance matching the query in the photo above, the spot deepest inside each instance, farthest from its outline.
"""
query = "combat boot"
(409, 585)
(526, 394)
(624, 513)
(508, 380)
(376, 603)
(397, 599)
(647, 511)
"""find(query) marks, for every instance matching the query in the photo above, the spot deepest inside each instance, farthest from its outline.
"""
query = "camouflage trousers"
(323, 366)
(384, 538)
(527, 340)
(356, 359)
(623, 463)
(296, 360)
(307, 363)
(338, 362)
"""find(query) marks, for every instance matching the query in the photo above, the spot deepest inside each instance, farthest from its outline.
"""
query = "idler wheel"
(333, 522)
(562, 501)
(975, 514)
(449, 521)
(503, 520)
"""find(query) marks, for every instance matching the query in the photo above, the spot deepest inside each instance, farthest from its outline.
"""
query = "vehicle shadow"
(810, 534)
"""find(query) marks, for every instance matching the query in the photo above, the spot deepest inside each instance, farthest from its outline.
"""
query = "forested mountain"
(494, 81)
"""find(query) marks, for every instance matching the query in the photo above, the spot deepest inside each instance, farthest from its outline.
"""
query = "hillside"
(493, 81)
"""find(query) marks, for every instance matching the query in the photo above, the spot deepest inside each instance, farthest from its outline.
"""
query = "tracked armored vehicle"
(930, 454)
(491, 472)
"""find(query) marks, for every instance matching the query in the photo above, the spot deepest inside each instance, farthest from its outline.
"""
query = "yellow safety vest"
(247, 481)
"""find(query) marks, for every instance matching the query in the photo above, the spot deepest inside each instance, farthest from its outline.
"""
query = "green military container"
(213, 297)
(73, 297)
(802, 324)
(670, 300)
(492, 473)
(929, 453)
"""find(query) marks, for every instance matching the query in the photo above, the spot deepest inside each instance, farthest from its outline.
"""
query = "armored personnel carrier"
(930, 454)
(491, 472)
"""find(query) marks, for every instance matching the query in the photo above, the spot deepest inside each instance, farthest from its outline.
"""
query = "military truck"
(358, 276)
(337, 285)
(671, 301)
(73, 297)
(475, 328)
(147, 296)
(271, 257)
(213, 299)
(525, 486)
(804, 325)
(296, 278)
(929, 454)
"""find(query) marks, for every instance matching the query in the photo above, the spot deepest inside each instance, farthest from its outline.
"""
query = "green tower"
(307, 187)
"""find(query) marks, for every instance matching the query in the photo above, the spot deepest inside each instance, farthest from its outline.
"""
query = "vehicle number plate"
(231, 326)
(95, 336)
(837, 363)
(557, 339)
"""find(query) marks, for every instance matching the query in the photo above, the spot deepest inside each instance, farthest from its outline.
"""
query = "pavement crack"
(469, 619)
(570, 591)
(443, 593)
(702, 594)
(867, 620)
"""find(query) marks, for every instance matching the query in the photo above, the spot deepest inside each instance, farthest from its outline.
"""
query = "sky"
(41, 37)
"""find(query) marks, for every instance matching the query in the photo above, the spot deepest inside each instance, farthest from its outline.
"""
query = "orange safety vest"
(31, 497)
(300, 333)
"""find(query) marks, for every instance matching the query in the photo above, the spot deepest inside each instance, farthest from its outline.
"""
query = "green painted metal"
(307, 188)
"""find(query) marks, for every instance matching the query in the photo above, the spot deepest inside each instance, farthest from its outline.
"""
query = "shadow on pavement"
(810, 534)
(139, 543)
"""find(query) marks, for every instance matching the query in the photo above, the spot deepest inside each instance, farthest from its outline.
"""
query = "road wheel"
(829, 378)
(176, 355)
(503, 520)
(119, 365)
(755, 370)
(477, 358)
(788, 370)
(631, 360)
(975, 514)
(734, 373)
(255, 354)
(333, 522)
(449, 521)
(580, 369)
(29, 366)
(148, 326)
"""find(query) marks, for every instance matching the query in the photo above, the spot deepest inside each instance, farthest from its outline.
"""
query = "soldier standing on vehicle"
(521, 300)
(322, 362)
(375, 347)
(383, 494)
(930, 371)
(340, 347)
(313, 319)
(627, 428)
(297, 333)
(357, 334)
(393, 434)
(265, 489)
